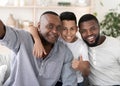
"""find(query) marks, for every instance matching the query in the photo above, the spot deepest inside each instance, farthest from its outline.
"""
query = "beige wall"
(107, 5)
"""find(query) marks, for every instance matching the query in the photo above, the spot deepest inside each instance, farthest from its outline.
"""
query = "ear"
(38, 25)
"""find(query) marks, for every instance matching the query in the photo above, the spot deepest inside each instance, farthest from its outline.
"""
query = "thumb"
(81, 59)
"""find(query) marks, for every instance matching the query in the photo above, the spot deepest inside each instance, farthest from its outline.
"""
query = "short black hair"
(87, 17)
(68, 16)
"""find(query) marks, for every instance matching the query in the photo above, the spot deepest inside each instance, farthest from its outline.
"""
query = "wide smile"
(69, 37)
(52, 37)
(91, 39)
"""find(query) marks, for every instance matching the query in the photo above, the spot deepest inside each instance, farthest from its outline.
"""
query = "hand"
(38, 50)
(78, 64)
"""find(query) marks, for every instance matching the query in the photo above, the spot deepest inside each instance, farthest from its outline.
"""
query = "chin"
(90, 44)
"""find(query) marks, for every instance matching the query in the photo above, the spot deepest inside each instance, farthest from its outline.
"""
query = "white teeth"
(90, 38)
(69, 37)
(52, 36)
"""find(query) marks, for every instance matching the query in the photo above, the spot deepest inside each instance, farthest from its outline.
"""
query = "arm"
(2, 30)
(9, 37)
(37, 51)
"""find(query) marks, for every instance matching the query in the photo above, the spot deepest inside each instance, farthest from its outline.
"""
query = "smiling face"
(49, 27)
(90, 32)
(68, 32)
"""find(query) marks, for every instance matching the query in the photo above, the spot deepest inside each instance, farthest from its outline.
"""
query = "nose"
(54, 30)
(68, 32)
(89, 32)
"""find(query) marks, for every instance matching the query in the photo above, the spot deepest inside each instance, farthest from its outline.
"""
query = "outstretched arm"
(38, 49)
(2, 30)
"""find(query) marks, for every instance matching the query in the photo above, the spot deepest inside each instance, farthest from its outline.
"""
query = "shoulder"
(64, 50)
(61, 44)
(81, 43)
(112, 39)
(112, 42)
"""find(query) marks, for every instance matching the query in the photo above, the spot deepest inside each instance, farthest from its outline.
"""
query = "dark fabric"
(80, 84)
(86, 81)
(59, 83)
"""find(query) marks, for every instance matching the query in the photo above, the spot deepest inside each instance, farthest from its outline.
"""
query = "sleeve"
(11, 39)
(68, 77)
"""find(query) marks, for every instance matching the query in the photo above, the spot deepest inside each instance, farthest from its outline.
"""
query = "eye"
(59, 28)
(50, 26)
(73, 28)
(94, 28)
(82, 31)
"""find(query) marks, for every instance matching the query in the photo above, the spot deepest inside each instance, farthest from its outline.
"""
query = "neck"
(45, 42)
(101, 39)
(47, 46)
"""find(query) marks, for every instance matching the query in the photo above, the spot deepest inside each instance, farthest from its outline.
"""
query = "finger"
(81, 59)
(35, 54)
(44, 52)
(41, 54)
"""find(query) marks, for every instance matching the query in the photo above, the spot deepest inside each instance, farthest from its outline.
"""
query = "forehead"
(88, 23)
(50, 18)
(68, 21)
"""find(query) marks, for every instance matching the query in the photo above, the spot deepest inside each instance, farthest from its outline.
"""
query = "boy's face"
(68, 33)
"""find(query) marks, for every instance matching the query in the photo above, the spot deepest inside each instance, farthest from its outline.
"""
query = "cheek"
(74, 32)
(83, 36)
(43, 30)
(63, 33)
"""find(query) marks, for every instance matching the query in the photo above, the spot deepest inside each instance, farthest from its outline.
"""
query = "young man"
(76, 45)
(104, 52)
(30, 71)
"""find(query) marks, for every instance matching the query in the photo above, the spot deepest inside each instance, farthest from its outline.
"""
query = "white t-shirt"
(105, 63)
(78, 48)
